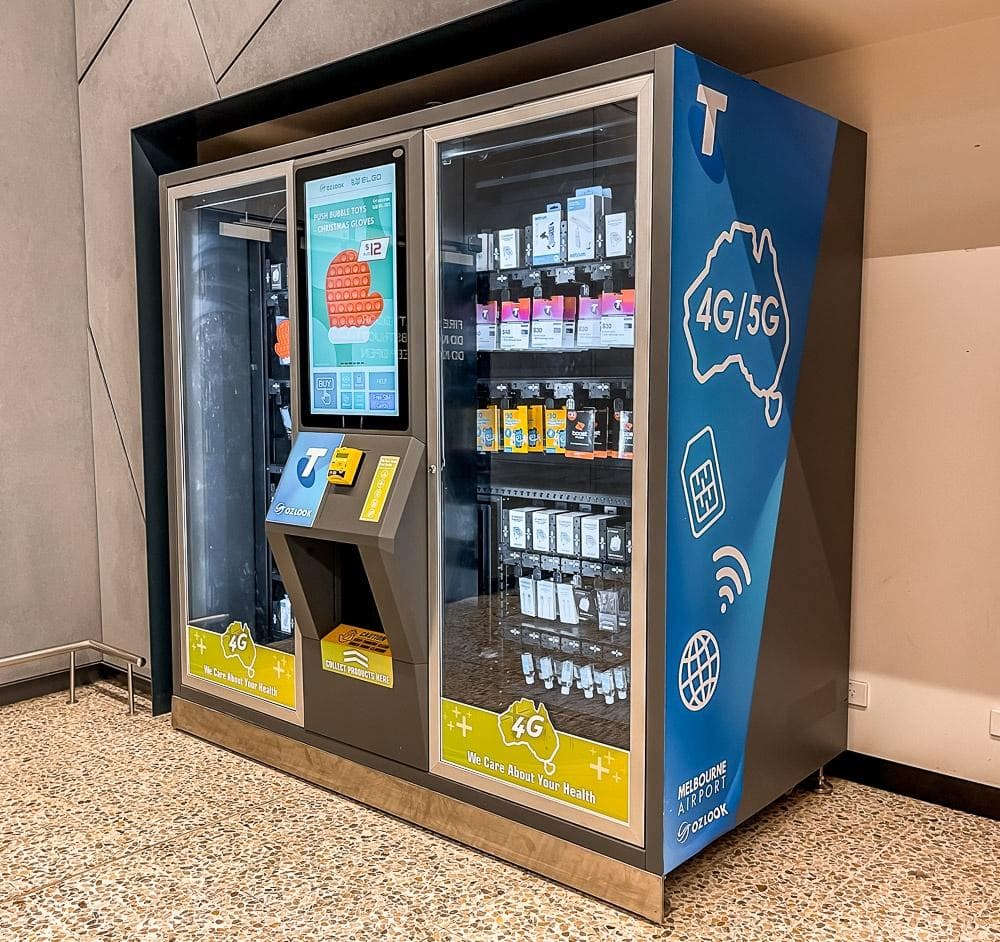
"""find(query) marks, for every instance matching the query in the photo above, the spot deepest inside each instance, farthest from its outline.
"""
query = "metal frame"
(173, 375)
(639, 88)
(407, 139)
(108, 650)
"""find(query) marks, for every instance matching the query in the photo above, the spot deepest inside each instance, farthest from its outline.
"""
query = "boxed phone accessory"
(547, 332)
(555, 431)
(568, 539)
(588, 322)
(615, 235)
(526, 586)
(486, 326)
(488, 429)
(515, 430)
(580, 433)
(593, 535)
(546, 236)
(485, 245)
(509, 243)
(518, 523)
(515, 324)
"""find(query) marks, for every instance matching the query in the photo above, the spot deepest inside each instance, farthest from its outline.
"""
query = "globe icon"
(698, 674)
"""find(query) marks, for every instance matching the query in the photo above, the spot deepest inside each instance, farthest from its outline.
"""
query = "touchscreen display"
(351, 262)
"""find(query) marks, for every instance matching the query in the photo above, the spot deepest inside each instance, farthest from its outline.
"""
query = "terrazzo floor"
(118, 828)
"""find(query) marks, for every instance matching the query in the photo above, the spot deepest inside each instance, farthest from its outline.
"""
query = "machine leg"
(823, 786)
(72, 676)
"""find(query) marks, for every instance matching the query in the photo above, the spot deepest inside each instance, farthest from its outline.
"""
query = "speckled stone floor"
(117, 828)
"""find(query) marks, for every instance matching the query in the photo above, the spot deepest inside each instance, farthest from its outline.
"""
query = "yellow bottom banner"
(232, 659)
(520, 746)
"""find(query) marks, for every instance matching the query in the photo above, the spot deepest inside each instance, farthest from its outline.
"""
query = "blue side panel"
(751, 171)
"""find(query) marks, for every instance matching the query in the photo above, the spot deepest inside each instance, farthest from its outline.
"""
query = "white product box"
(510, 248)
(484, 255)
(593, 531)
(543, 531)
(527, 590)
(568, 537)
(545, 594)
(546, 236)
(615, 235)
(518, 523)
(583, 214)
(566, 598)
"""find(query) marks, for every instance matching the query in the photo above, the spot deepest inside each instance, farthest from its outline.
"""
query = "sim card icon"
(702, 476)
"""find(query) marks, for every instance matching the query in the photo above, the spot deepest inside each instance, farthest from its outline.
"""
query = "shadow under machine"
(513, 456)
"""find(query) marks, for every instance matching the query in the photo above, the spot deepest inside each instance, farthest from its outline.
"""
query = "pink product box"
(515, 324)
(486, 326)
(588, 323)
(618, 319)
(547, 330)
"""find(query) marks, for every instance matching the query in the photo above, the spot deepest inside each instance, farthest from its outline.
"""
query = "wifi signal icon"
(731, 585)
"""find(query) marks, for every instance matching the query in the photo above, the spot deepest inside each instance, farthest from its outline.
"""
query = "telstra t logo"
(306, 469)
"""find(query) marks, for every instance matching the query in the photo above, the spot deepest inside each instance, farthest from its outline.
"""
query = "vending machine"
(565, 522)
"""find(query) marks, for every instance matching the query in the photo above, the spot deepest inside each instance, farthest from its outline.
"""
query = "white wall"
(926, 628)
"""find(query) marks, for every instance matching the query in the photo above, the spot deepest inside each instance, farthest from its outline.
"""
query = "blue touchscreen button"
(324, 391)
(345, 400)
(359, 380)
(382, 402)
(385, 380)
(359, 400)
(345, 380)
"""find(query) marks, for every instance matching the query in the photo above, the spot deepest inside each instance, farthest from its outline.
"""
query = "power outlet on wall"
(995, 723)
(857, 693)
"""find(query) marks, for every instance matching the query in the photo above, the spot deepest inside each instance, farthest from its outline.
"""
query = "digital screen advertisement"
(353, 358)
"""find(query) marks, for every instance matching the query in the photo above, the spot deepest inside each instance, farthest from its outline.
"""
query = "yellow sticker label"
(232, 659)
(358, 653)
(378, 492)
(521, 746)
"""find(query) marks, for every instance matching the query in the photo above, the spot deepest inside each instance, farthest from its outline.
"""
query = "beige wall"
(927, 547)
(48, 543)
(140, 60)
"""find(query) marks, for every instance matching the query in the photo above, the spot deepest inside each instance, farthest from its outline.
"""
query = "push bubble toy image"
(351, 305)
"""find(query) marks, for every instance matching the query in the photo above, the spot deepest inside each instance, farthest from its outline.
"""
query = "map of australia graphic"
(735, 315)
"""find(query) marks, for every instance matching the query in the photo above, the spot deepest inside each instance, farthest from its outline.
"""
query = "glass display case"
(541, 291)
(232, 336)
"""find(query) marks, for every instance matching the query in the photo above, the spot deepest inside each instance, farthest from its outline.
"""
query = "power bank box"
(583, 216)
(515, 430)
(509, 241)
(593, 535)
(515, 324)
(546, 236)
(588, 322)
(543, 531)
(488, 429)
(518, 527)
(486, 326)
(568, 538)
(547, 323)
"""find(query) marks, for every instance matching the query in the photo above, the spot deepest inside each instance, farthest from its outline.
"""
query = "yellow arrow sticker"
(378, 492)
(358, 653)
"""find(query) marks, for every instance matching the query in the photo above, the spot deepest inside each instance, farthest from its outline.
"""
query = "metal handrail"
(131, 660)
